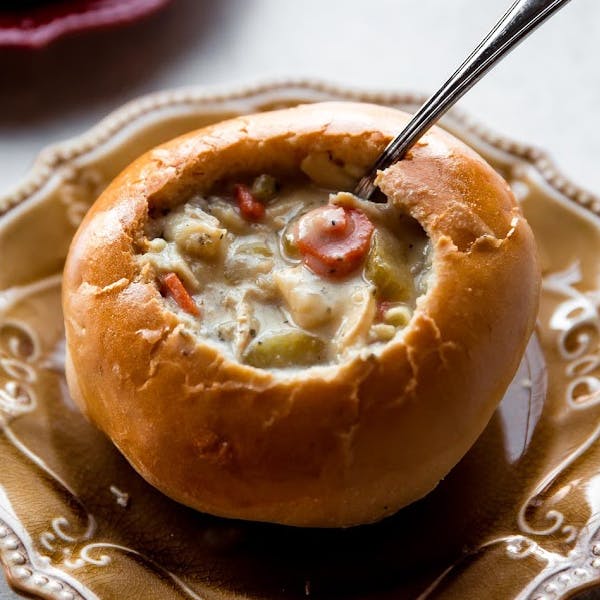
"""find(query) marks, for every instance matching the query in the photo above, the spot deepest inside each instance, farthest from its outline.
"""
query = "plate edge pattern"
(23, 576)
(62, 153)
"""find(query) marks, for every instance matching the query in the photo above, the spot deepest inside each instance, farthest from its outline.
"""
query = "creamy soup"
(281, 274)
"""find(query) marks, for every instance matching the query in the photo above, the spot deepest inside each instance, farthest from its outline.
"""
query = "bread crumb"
(121, 497)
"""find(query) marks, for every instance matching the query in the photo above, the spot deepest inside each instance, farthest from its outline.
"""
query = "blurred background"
(546, 93)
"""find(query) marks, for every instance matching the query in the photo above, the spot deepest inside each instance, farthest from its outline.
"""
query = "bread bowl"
(353, 426)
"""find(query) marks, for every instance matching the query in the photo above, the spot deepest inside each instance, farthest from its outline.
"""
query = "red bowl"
(43, 22)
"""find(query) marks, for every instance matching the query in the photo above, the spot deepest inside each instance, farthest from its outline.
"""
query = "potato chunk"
(306, 297)
(195, 232)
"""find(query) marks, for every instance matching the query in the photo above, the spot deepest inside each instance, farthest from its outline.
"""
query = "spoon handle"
(519, 21)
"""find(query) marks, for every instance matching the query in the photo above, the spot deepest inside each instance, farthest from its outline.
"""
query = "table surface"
(547, 93)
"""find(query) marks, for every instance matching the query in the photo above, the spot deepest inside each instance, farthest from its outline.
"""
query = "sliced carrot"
(250, 208)
(334, 240)
(174, 287)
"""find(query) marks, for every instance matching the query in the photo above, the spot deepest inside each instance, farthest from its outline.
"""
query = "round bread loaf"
(330, 445)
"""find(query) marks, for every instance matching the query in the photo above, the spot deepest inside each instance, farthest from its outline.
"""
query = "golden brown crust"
(333, 446)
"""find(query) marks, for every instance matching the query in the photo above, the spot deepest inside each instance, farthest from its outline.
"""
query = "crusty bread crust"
(330, 446)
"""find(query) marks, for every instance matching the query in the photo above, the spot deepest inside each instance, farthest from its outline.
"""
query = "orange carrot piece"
(334, 240)
(177, 291)
(250, 208)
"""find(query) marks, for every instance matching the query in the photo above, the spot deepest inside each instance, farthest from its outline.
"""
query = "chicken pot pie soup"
(260, 344)
(281, 274)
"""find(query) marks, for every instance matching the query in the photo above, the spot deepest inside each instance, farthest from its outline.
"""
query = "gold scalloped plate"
(517, 518)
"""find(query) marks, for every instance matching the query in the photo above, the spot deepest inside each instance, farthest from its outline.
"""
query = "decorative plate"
(35, 23)
(519, 517)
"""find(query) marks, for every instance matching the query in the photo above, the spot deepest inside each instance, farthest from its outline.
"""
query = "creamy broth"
(255, 293)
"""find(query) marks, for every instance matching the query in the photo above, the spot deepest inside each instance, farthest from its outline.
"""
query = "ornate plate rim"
(61, 153)
(19, 567)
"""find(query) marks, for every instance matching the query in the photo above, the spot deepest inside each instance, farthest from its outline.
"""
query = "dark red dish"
(35, 23)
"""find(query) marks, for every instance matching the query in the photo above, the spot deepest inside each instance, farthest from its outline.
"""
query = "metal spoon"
(519, 21)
